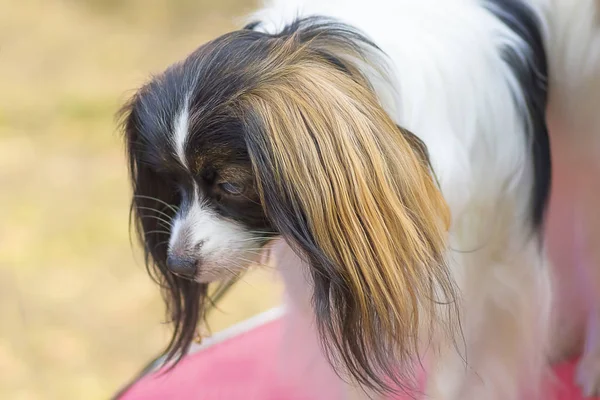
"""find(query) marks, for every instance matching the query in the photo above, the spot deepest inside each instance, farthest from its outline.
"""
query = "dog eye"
(232, 189)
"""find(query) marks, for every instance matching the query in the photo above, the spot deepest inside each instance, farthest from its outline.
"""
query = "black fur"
(207, 80)
(533, 78)
(154, 195)
(161, 184)
(222, 133)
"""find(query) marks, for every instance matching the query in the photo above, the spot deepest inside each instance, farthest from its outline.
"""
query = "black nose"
(183, 266)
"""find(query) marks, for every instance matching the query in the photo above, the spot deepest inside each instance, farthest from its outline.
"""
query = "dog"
(397, 153)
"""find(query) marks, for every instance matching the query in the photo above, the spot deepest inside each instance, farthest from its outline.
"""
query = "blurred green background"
(78, 314)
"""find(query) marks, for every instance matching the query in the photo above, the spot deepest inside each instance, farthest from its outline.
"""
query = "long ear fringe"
(153, 201)
(355, 195)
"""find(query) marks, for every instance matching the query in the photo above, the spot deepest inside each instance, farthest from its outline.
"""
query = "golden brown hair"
(354, 194)
(347, 188)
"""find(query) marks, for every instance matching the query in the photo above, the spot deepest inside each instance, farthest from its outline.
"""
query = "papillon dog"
(397, 153)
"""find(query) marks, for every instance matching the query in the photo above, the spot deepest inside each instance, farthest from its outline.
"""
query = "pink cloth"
(249, 367)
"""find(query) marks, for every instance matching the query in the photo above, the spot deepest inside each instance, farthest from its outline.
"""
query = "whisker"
(158, 231)
(163, 225)
(157, 211)
(251, 201)
(254, 239)
(265, 232)
(187, 278)
(256, 253)
(255, 263)
(233, 271)
(223, 288)
(258, 249)
(158, 218)
(172, 207)
(160, 243)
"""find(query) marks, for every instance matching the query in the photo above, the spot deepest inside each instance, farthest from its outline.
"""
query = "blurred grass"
(78, 314)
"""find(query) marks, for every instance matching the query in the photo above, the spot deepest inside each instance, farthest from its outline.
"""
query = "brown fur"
(335, 176)
(370, 203)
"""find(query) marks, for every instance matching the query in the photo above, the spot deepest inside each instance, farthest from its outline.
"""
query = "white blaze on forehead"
(180, 133)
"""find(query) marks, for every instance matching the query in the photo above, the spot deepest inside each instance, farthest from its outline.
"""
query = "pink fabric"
(249, 367)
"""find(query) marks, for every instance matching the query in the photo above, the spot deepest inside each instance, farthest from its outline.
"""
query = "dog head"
(255, 136)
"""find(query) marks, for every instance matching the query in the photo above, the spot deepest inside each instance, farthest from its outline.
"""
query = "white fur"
(223, 247)
(452, 89)
(451, 93)
(180, 132)
(450, 86)
(573, 43)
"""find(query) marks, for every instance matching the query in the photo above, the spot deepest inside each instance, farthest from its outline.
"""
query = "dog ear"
(154, 204)
(354, 195)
